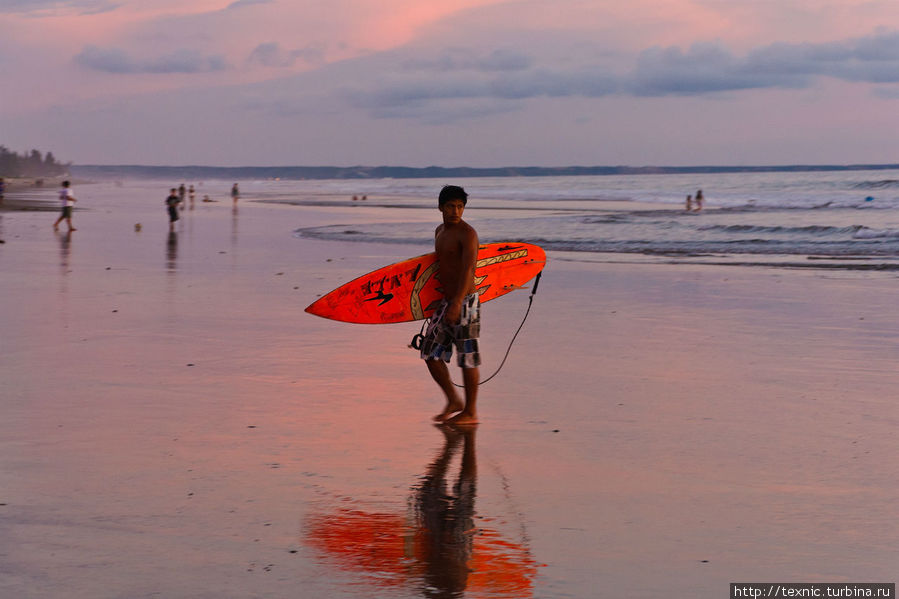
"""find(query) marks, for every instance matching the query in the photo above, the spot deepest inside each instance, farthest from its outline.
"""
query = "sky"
(479, 83)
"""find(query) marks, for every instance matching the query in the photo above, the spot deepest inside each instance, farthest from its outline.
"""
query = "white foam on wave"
(876, 234)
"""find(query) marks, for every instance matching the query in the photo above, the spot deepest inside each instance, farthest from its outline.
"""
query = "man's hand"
(453, 313)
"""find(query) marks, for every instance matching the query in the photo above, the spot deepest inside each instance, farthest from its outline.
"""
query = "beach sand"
(174, 425)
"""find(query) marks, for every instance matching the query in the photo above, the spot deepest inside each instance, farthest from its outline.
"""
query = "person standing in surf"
(457, 321)
(172, 203)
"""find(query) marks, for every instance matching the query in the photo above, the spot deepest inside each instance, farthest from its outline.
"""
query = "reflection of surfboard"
(396, 552)
(410, 290)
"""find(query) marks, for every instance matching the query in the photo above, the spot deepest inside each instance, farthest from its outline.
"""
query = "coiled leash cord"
(416, 341)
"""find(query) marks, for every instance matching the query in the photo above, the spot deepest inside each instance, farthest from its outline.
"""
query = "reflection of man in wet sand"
(435, 546)
(457, 321)
(447, 519)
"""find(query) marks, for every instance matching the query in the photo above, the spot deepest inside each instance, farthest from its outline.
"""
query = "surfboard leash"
(416, 341)
(515, 336)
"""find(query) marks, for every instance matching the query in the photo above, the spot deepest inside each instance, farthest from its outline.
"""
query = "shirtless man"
(457, 320)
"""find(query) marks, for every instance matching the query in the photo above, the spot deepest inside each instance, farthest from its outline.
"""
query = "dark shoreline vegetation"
(431, 172)
(30, 165)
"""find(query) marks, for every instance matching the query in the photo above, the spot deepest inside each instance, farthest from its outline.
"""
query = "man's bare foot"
(450, 409)
(463, 419)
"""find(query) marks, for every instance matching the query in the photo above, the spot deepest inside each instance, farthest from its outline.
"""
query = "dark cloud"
(117, 61)
(882, 47)
(271, 54)
(454, 97)
(52, 7)
(413, 92)
(469, 74)
(241, 3)
(404, 88)
(460, 59)
(711, 68)
(704, 69)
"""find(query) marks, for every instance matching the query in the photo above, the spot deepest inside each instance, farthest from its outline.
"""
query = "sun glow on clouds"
(404, 69)
(102, 47)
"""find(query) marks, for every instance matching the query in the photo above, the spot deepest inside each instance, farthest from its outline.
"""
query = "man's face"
(452, 211)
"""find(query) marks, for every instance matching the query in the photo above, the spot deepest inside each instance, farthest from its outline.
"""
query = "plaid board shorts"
(440, 337)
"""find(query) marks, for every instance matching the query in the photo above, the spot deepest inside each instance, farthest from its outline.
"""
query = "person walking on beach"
(68, 202)
(172, 203)
(235, 192)
(457, 320)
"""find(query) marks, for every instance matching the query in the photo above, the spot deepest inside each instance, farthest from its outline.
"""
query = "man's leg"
(469, 414)
(440, 374)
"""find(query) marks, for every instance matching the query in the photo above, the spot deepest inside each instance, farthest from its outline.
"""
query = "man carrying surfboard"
(457, 321)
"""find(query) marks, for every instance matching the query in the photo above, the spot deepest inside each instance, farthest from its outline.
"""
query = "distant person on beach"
(699, 199)
(689, 205)
(192, 194)
(68, 202)
(457, 321)
(172, 202)
(182, 193)
(235, 192)
(2, 189)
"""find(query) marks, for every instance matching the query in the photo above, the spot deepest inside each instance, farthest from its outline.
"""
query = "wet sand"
(175, 426)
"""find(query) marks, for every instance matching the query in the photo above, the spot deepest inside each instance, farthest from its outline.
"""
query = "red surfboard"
(410, 290)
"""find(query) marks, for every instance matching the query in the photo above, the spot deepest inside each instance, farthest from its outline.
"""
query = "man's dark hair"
(65, 183)
(451, 192)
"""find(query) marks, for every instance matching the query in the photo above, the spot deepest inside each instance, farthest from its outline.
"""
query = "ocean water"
(835, 219)
(841, 219)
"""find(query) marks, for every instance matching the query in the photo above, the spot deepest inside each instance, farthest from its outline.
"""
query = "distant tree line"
(199, 173)
(32, 164)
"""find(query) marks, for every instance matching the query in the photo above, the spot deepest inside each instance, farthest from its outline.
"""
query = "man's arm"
(467, 260)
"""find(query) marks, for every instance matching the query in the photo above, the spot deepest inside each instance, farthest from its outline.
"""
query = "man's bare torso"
(448, 244)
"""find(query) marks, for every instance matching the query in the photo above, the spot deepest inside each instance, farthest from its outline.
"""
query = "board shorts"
(173, 214)
(67, 212)
(440, 337)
